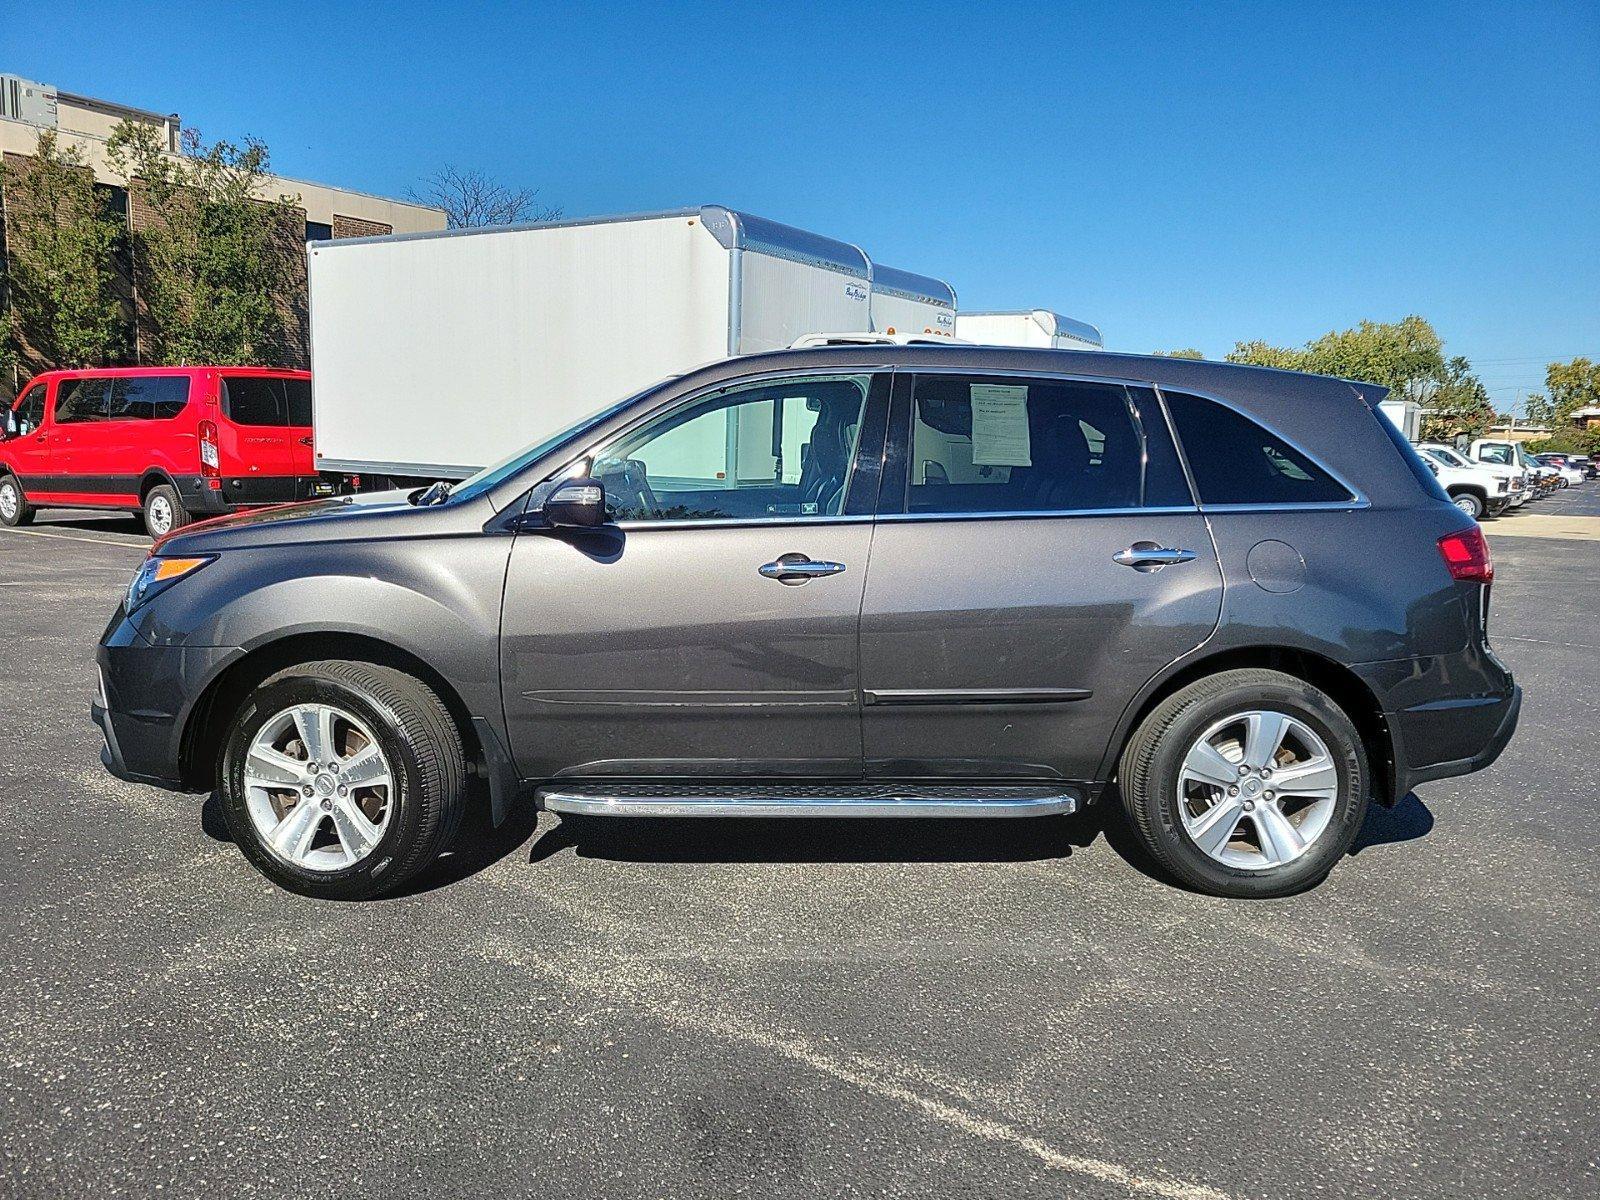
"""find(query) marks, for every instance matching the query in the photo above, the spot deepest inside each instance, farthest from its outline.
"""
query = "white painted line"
(72, 537)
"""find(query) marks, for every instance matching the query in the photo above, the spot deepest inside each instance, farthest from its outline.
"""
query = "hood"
(342, 518)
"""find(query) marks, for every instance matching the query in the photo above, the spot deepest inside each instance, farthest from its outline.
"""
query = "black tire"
(1468, 503)
(164, 494)
(14, 507)
(416, 734)
(1150, 764)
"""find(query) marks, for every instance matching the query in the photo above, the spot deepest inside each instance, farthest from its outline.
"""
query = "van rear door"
(266, 426)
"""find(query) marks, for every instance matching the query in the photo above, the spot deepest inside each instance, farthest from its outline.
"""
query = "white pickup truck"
(1478, 489)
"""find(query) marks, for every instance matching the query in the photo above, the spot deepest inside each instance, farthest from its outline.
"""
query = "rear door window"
(153, 398)
(82, 400)
(250, 400)
(1236, 461)
(1015, 445)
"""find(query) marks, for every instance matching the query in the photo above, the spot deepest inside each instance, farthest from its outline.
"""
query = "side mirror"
(9, 428)
(576, 504)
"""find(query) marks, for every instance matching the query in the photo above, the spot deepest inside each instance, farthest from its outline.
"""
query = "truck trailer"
(905, 303)
(1034, 327)
(434, 354)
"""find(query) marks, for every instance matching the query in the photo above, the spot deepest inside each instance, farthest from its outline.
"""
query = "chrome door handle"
(1147, 556)
(793, 569)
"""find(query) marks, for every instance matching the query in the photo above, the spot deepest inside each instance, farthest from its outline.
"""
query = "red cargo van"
(174, 442)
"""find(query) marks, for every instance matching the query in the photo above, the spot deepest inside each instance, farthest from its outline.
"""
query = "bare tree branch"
(471, 199)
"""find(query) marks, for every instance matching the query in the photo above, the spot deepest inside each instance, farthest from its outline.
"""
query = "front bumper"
(144, 699)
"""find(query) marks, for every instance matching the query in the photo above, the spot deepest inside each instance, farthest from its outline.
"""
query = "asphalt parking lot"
(718, 1009)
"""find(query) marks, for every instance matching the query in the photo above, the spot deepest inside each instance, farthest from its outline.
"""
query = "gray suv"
(872, 580)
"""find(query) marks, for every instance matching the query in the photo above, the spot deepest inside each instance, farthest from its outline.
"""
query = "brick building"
(28, 108)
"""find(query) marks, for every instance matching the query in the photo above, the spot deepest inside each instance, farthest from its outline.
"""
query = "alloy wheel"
(1256, 789)
(318, 787)
(9, 501)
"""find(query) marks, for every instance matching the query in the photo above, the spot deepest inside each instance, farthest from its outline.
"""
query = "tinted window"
(779, 448)
(1021, 445)
(154, 399)
(264, 401)
(79, 400)
(1236, 461)
(30, 410)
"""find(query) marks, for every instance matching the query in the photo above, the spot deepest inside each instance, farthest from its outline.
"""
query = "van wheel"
(1468, 503)
(14, 507)
(164, 511)
(1249, 783)
(342, 780)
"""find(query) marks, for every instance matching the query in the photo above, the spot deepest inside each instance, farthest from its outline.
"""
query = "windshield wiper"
(434, 493)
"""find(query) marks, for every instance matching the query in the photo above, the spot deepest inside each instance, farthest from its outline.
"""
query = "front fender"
(437, 599)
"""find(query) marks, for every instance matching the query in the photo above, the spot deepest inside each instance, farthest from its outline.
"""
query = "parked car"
(171, 442)
(1510, 480)
(1506, 456)
(1236, 594)
(1570, 471)
(1474, 489)
(1546, 478)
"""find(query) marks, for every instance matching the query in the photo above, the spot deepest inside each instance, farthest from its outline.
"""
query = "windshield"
(494, 475)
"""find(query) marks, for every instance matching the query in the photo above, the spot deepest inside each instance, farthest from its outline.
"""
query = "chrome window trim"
(811, 522)
(1043, 514)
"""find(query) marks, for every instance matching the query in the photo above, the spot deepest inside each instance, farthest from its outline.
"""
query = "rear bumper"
(252, 491)
(1447, 715)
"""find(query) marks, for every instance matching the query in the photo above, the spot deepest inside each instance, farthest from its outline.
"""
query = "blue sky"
(1178, 174)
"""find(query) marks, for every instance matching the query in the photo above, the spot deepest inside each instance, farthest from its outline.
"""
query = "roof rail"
(812, 340)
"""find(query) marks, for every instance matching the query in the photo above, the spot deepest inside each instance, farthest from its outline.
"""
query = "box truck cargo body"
(436, 354)
(1406, 416)
(1035, 327)
(906, 303)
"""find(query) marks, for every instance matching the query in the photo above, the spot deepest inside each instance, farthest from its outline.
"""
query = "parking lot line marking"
(72, 537)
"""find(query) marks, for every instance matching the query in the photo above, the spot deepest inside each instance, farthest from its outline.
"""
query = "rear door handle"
(794, 569)
(1147, 556)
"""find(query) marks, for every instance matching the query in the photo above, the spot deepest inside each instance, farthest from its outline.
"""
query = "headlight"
(157, 575)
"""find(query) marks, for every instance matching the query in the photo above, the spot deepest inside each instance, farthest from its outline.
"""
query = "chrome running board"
(595, 798)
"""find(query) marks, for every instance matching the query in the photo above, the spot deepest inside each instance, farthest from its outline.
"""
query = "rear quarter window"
(1236, 461)
(250, 400)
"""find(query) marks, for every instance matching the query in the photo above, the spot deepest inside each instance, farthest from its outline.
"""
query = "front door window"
(778, 449)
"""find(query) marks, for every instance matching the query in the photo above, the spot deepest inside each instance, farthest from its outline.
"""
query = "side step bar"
(806, 800)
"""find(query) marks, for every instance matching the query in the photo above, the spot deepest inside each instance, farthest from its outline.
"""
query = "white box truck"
(436, 354)
(1406, 416)
(906, 303)
(1035, 327)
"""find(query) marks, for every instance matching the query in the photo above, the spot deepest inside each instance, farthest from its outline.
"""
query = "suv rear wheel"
(14, 507)
(342, 780)
(1249, 783)
(164, 511)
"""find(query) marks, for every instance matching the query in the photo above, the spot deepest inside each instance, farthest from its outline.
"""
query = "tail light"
(210, 460)
(1466, 555)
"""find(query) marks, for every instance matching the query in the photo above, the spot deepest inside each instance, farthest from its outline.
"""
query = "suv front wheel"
(1248, 783)
(342, 780)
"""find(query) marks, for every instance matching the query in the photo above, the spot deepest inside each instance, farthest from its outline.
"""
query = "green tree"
(64, 307)
(1188, 352)
(216, 256)
(1571, 386)
(1459, 404)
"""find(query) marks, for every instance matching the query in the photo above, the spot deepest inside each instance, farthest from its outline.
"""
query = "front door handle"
(1147, 556)
(794, 569)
